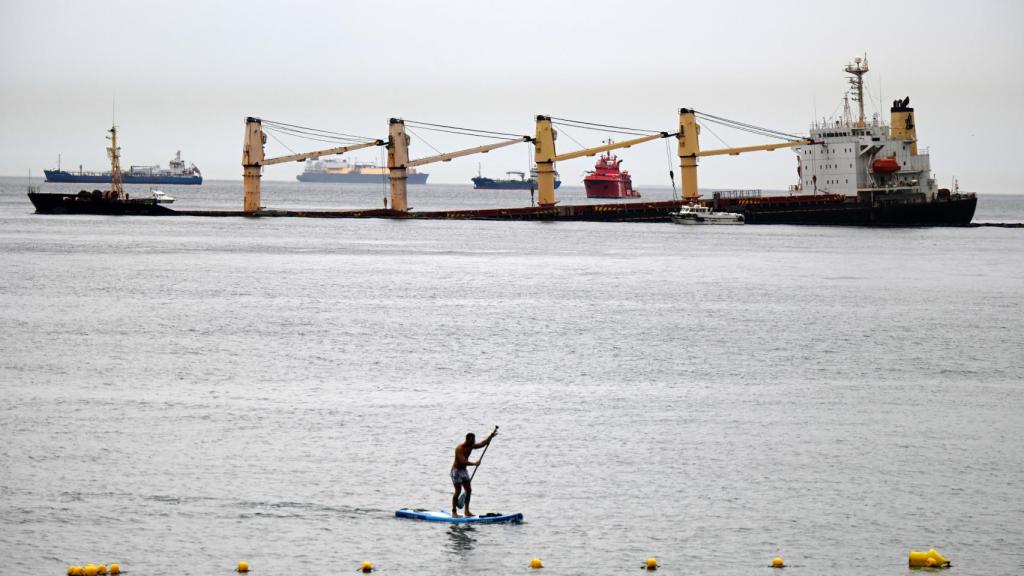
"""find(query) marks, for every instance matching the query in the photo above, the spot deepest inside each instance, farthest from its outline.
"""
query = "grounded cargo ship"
(607, 180)
(109, 202)
(860, 173)
(103, 202)
(176, 173)
(483, 183)
(331, 170)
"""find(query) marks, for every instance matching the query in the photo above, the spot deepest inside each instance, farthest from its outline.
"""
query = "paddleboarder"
(460, 476)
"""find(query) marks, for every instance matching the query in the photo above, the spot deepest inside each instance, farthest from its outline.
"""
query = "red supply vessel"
(608, 181)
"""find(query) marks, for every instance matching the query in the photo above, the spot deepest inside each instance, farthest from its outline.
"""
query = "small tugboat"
(697, 214)
(109, 202)
(162, 197)
(608, 181)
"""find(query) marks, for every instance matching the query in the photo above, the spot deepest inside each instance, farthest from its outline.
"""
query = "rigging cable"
(583, 124)
(569, 136)
(424, 140)
(315, 138)
(463, 131)
(735, 124)
(708, 128)
(280, 142)
(605, 130)
(511, 137)
(671, 174)
(308, 129)
(753, 130)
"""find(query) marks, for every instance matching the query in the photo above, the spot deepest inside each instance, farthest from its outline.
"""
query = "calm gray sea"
(180, 394)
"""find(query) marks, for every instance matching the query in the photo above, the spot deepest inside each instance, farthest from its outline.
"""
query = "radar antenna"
(858, 69)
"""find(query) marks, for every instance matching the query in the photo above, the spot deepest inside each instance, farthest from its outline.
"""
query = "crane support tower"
(546, 156)
(689, 151)
(399, 162)
(253, 160)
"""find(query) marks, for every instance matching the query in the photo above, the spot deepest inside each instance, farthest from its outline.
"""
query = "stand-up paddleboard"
(445, 516)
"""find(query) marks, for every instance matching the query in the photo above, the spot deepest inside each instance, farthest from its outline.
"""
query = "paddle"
(462, 496)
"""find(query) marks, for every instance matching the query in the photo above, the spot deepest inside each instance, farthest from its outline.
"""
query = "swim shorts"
(459, 476)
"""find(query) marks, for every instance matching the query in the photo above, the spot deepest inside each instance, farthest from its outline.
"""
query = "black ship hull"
(839, 211)
(95, 203)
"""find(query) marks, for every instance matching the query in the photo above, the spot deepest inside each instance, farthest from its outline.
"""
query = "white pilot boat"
(695, 214)
(162, 197)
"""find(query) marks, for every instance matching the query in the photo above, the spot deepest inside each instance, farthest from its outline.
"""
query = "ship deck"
(617, 212)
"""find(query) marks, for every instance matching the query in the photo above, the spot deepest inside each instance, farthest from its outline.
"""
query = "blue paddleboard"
(445, 516)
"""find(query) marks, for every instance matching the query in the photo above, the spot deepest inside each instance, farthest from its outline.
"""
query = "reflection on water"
(461, 540)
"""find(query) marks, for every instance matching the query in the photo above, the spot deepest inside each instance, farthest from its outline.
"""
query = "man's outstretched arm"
(487, 441)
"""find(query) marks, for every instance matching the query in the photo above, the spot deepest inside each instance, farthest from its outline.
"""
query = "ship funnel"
(904, 125)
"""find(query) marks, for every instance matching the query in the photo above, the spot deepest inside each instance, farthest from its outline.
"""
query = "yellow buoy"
(939, 560)
(929, 559)
(536, 564)
(652, 563)
(366, 567)
(74, 570)
(778, 563)
(917, 559)
(242, 567)
(101, 569)
(90, 570)
(115, 568)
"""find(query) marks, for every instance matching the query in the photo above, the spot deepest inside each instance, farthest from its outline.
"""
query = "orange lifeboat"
(885, 165)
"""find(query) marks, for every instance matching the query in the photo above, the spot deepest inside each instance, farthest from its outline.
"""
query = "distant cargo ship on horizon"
(332, 170)
(175, 173)
(481, 182)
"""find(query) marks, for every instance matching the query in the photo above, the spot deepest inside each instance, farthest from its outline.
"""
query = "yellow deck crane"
(253, 160)
(546, 156)
(689, 151)
(399, 163)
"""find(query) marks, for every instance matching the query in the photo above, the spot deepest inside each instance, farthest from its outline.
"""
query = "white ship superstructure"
(865, 159)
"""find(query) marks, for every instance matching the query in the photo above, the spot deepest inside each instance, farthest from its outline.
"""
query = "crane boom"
(466, 152)
(742, 149)
(318, 153)
(689, 151)
(546, 155)
(609, 147)
(253, 160)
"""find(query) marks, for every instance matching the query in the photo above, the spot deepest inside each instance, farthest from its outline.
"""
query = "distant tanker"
(330, 170)
(176, 173)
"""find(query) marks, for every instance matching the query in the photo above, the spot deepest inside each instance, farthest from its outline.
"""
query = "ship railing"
(729, 194)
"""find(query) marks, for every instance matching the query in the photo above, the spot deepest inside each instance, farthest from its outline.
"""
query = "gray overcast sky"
(184, 74)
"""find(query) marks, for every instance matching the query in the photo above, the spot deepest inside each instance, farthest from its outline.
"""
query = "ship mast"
(115, 165)
(858, 69)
